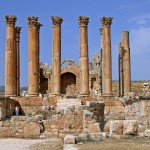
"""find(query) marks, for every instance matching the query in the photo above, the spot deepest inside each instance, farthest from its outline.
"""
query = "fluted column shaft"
(126, 62)
(120, 63)
(18, 59)
(10, 65)
(84, 59)
(107, 88)
(33, 70)
(56, 55)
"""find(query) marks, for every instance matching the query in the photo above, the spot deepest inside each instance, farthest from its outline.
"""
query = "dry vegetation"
(128, 144)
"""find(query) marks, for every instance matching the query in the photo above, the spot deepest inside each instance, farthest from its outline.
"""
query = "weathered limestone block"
(69, 139)
(98, 136)
(94, 128)
(107, 127)
(130, 127)
(116, 127)
(147, 133)
(31, 130)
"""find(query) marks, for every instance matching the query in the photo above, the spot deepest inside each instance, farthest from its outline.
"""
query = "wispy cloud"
(141, 19)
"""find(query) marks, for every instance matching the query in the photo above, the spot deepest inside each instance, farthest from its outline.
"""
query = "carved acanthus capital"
(106, 21)
(83, 20)
(56, 20)
(10, 20)
(18, 29)
(32, 21)
(101, 31)
(39, 26)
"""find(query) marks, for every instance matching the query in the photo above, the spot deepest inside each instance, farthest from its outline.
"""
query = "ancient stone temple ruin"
(71, 99)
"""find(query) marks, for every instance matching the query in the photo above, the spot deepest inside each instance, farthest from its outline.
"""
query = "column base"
(56, 94)
(107, 95)
(9, 95)
(33, 95)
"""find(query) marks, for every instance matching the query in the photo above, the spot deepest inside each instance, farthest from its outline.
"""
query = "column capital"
(10, 20)
(32, 21)
(17, 29)
(56, 21)
(101, 31)
(106, 21)
(83, 20)
(39, 26)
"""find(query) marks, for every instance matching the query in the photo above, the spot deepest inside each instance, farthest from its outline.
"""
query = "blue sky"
(129, 15)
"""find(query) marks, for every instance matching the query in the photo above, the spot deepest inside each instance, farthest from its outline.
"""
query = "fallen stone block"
(116, 127)
(69, 139)
(130, 127)
(94, 128)
(147, 133)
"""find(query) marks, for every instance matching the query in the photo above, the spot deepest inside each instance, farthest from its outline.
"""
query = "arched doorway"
(68, 83)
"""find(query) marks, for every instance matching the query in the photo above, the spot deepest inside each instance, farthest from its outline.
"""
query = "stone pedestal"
(18, 58)
(84, 60)
(33, 58)
(126, 62)
(10, 55)
(107, 63)
(56, 55)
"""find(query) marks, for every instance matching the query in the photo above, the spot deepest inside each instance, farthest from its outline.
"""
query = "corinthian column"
(107, 88)
(84, 60)
(18, 58)
(56, 55)
(126, 62)
(10, 65)
(33, 70)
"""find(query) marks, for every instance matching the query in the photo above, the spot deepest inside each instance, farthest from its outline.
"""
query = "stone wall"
(7, 107)
(87, 118)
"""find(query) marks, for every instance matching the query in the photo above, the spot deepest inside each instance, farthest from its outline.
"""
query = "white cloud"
(141, 19)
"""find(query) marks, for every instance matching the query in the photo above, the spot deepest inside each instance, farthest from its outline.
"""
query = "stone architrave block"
(31, 130)
(130, 127)
(69, 139)
(116, 127)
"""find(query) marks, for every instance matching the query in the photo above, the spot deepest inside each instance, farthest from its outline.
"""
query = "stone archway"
(68, 84)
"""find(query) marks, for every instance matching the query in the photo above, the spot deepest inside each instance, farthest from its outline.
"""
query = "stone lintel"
(107, 95)
(32, 21)
(106, 21)
(10, 20)
(56, 21)
(83, 20)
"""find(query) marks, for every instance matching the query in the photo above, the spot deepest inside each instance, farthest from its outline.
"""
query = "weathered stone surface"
(69, 139)
(31, 130)
(116, 127)
(94, 128)
(98, 136)
(147, 133)
(107, 127)
(130, 127)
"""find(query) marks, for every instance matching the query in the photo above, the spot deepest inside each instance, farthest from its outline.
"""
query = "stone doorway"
(68, 84)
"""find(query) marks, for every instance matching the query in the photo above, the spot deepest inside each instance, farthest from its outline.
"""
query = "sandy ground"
(20, 144)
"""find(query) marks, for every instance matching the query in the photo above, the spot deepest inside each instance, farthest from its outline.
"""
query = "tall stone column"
(56, 55)
(102, 61)
(10, 65)
(120, 63)
(18, 58)
(33, 70)
(84, 59)
(38, 48)
(126, 62)
(107, 88)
